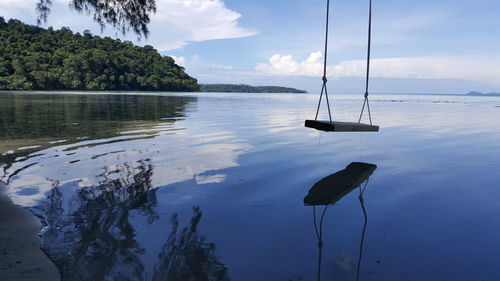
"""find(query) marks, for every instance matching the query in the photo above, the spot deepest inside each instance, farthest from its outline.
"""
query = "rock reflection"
(187, 257)
(90, 236)
(330, 190)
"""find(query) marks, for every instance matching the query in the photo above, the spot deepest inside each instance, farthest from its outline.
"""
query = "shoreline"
(21, 256)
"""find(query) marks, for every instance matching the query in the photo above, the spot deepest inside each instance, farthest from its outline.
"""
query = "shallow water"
(211, 186)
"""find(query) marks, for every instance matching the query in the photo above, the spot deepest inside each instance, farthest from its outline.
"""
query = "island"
(34, 58)
(243, 88)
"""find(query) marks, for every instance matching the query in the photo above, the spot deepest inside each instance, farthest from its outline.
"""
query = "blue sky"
(439, 46)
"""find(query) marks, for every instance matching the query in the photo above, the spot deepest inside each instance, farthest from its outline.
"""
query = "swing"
(336, 126)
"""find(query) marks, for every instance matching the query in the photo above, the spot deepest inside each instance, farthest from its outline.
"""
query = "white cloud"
(287, 65)
(175, 24)
(194, 21)
(18, 9)
(204, 71)
(179, 60)
(197, 63)
(6, 4)
(431, 67)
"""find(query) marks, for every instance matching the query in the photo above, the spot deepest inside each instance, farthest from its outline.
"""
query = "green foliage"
(32, 58)
(121, 14)
(242, 88)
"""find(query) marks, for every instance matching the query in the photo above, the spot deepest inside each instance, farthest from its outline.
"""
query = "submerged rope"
(362, 202)
(368, 58)
(319, 235)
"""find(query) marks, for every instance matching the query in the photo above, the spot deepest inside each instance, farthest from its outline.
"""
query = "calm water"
(211, 186)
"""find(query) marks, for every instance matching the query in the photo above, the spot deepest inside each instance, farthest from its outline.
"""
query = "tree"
(123, 15)
(2, 22)
(45, 59)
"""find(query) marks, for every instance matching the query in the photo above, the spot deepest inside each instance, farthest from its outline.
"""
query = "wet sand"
(20, 255)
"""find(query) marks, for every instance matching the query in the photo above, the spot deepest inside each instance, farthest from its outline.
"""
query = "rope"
(362, 202)
(319, 235)
(368, 57)
(325, 80)
(324, 90)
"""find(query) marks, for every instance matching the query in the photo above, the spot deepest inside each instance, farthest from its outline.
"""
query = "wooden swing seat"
(335, 126)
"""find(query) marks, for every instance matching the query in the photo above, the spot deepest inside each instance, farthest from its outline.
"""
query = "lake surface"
(211, 186)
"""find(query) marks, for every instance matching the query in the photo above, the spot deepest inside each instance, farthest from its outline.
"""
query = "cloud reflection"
(176, 155)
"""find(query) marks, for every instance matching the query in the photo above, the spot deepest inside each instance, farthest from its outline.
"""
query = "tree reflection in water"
(92, 231)
(187, 257)
(39, 121)
(90, 236)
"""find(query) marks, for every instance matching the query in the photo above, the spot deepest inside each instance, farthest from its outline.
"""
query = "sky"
(426, 46)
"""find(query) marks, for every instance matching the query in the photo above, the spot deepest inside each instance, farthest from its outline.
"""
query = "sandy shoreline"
(20, 255)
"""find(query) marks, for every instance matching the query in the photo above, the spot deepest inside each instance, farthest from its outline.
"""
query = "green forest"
(242, 88)
(33, 58)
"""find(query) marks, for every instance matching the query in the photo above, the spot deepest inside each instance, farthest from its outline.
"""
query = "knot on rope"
(324, 79)
(366, 95)
(320, 244)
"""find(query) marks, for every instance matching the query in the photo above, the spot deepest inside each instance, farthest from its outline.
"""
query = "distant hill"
(242, 88)
(33, 58)
(481, 94)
